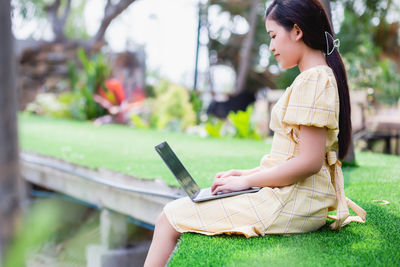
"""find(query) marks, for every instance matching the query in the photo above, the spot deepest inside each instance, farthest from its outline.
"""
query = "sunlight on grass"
(120, 148)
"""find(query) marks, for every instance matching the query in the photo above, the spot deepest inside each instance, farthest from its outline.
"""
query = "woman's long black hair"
(312, 19)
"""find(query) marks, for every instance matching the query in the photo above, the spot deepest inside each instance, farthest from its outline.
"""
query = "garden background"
(88, 99)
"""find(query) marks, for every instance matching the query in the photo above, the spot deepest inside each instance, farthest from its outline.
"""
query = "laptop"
(195, 193)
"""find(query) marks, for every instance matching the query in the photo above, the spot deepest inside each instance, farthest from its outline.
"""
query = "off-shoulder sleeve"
(313, 101)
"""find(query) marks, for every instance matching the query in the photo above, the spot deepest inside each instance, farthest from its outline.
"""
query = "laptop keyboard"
(207, 192)
(204, 192)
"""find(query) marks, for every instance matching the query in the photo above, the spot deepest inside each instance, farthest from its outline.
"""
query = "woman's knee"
(163, 222)
(162, 219)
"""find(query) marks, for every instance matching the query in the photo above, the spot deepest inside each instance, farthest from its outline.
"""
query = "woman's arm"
(308, 162)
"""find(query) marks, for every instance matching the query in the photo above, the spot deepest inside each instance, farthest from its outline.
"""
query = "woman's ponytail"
(345, 130)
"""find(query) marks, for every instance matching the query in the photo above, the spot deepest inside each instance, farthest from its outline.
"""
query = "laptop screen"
(177, 168)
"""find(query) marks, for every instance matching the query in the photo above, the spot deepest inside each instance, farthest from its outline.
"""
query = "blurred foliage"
(170, 109)
(49, 104)
(238, 125)
(367, 72)
(75, 26)
(241, 120)
(57, 230)
(96, 70)
(79, 102)
(214, 127)
(367, 41)
(226, 40)
(30, 9)
(367, 62)
(197, 104)
(365, 19)
(369, 35)
(138, 122)
(39, 225)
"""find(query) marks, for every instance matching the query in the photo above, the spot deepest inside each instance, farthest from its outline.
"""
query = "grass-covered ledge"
(131, 151)
(127, 150)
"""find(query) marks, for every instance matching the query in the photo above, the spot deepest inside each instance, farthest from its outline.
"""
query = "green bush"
(40, 223)
(241, 120)
(197, 104)
(78, 103)
(49, 104)
(169, 109)
(214, 127)
(238, 125)
(367, 71)
(96, 71)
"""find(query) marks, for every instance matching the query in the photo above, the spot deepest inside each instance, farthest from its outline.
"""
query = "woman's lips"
(276, 56)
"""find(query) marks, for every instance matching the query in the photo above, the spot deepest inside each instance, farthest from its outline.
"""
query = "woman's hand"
(230, 183)
(225, 175)
(229, 173)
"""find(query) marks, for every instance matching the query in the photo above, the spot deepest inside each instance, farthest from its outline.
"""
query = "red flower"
(114, 92)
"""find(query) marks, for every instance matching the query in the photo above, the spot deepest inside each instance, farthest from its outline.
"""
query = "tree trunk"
(111, 11)
(245, 52)
(9, 204)
(58, 21)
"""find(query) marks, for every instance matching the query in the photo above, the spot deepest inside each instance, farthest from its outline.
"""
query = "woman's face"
(283, 44)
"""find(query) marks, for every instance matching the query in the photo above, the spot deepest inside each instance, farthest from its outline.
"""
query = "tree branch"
(57, 24)
(111, 11)
(66, 13)
(53, 7)
(245, 52)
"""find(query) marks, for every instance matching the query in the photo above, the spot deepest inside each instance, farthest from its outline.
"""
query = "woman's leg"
(164, 240)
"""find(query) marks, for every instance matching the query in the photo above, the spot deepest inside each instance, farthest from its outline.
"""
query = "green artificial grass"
(375, 243)
(131, 151)
(120, 148)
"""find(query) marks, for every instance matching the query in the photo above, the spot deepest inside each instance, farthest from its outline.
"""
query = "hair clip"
(336, 43)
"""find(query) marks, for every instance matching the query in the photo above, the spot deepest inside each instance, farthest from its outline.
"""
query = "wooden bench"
(383, 124)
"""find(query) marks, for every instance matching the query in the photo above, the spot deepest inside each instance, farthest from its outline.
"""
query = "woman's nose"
(271, 47)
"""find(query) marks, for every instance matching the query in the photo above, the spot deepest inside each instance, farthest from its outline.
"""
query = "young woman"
(301, 178)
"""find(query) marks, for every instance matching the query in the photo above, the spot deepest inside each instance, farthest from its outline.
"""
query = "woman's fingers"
(227, 174)
(233, 183)
(219, 188)
(219, 175)
(222, 184)
(216, 183)
(220, 178)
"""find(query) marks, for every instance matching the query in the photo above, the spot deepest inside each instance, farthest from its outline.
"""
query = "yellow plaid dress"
(311, 100)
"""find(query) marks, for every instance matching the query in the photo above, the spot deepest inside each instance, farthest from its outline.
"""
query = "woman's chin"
(287, 66)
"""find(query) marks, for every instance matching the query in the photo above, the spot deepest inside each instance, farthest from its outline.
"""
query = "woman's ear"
(298, 33)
